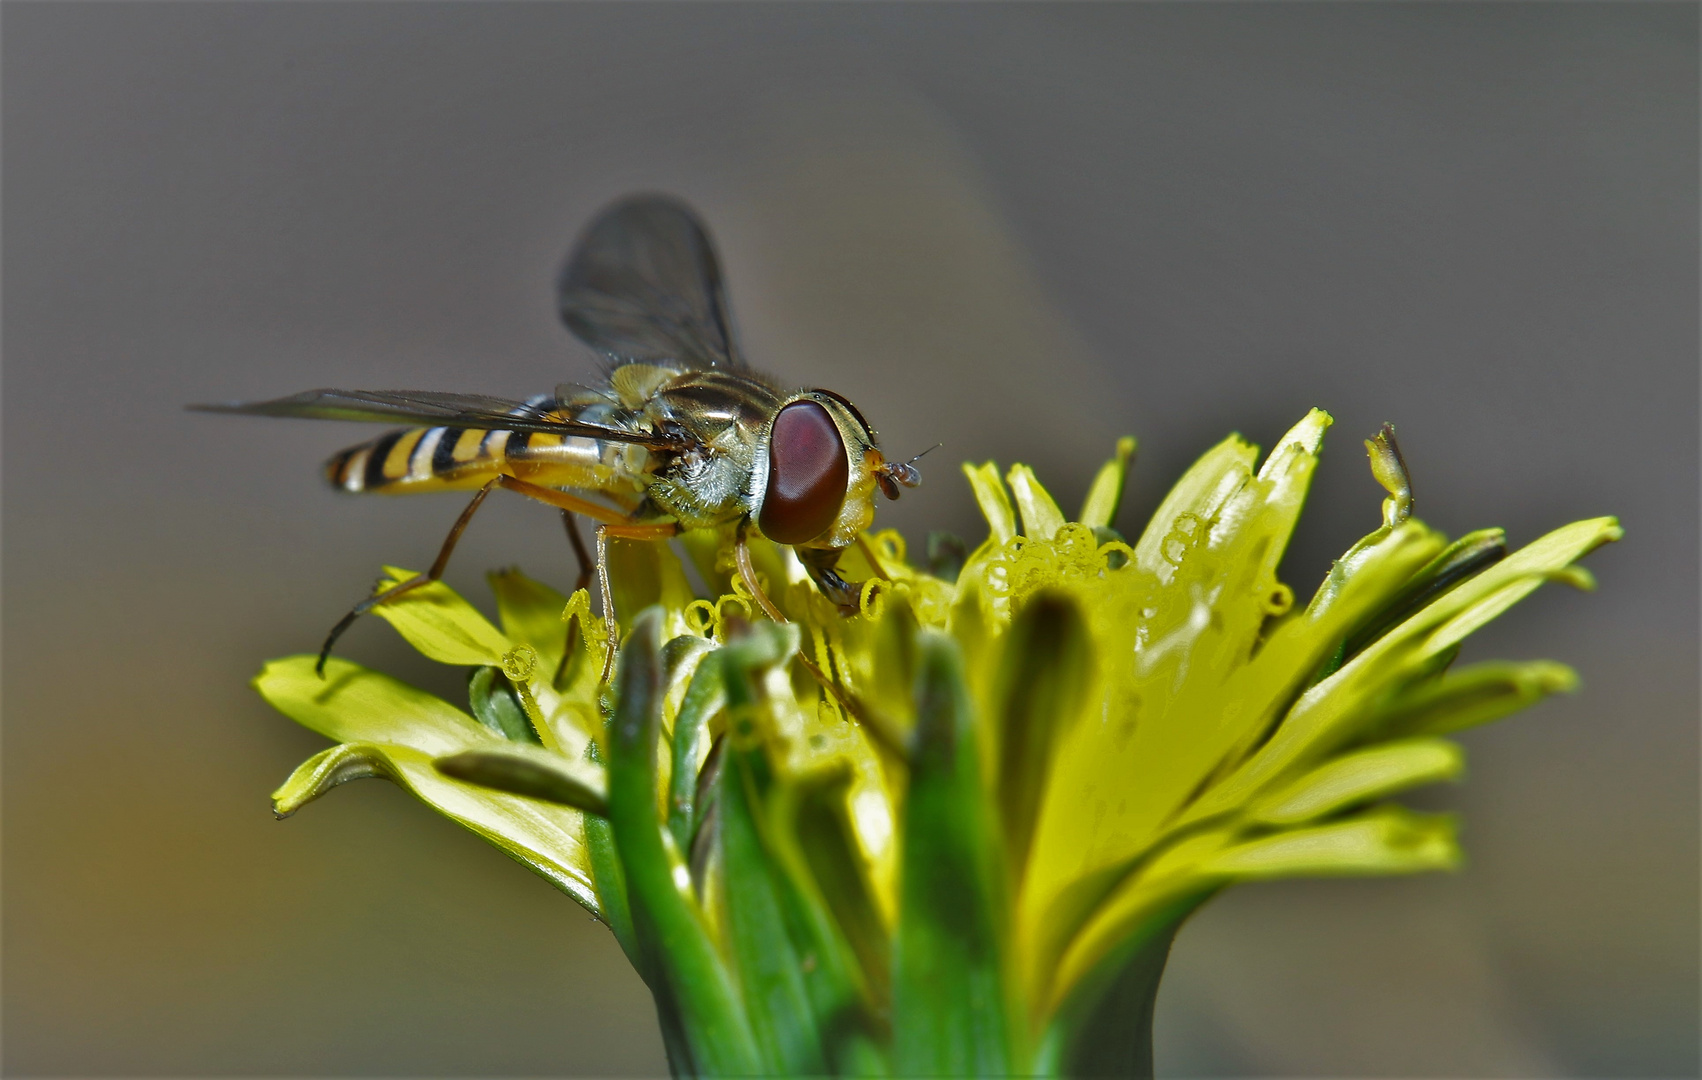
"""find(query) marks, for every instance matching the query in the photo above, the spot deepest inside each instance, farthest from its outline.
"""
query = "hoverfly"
(681, 435)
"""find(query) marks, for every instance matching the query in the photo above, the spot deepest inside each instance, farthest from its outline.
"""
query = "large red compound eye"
(807, 475)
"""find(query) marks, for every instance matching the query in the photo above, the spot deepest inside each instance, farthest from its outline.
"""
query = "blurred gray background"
(1018, 230)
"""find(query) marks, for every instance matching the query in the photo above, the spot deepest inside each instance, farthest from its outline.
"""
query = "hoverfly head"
(809, 472)
(822, 464)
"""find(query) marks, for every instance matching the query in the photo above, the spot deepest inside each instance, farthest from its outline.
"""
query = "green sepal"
(704, 697)
(533, 773)
(692, 986)
(759, 931)
(497, 707)
(1104, 1025)
(769, 967)
(609, 879)
(952, 1007)
(1039, 690)
(802, 980)
(812, 820)
(807, 845)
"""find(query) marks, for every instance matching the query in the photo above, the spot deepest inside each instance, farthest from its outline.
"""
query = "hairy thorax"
(725, 412)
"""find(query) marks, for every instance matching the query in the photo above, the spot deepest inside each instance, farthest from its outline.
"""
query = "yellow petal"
(439, 623)
(1100, 508)
(1360, 777)
(354, 704)
(1386, 840)
(1040, 515)
(1185, 513)
(1332, 711)
(541, 836)
(990, 496)
(530, 612)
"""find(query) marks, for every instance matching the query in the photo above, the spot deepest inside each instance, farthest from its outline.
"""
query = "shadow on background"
(1022, 231)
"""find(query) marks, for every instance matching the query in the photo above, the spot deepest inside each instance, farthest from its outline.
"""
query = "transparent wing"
(644, 283)
(441, 410)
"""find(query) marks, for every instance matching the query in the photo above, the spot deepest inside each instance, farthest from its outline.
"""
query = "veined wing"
(443, 410)
(644, 284)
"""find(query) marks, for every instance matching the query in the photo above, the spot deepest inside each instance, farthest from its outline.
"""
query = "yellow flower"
(954, 835)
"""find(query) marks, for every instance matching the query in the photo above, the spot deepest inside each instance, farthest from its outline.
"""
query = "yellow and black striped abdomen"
(419, 459)
(453, 459)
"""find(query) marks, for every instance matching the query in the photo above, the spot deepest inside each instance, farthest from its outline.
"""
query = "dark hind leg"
(434, 574)
(571, 524)
(561, 500)
(822, 563)
(579, 552)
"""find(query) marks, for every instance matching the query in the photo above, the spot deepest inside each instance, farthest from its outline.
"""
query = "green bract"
(968, 854)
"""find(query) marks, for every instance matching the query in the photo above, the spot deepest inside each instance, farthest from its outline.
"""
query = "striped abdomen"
(448, 459)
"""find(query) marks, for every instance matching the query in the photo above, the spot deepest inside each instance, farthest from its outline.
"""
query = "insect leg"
(579, 552)
(614, 524)
(882, 731)
(571, 524)
(868, 551)
(627, 530)
(414, 582)
(747, 574)
(821, 563)
(561, 500)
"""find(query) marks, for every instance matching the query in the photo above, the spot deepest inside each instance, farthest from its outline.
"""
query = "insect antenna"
(894, 473)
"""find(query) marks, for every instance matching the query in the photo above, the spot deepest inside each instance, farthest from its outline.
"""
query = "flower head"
(955, 834)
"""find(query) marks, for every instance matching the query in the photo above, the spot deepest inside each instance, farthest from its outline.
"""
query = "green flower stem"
(1104, 1027)
(691, 985)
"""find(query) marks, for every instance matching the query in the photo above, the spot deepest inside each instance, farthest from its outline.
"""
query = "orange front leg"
(615, 525)
(561, 500)
(629, 530)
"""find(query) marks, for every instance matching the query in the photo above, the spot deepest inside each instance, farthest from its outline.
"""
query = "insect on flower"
(682, 434)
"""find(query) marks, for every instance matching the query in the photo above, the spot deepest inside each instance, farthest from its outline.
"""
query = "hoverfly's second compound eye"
(807, 475)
